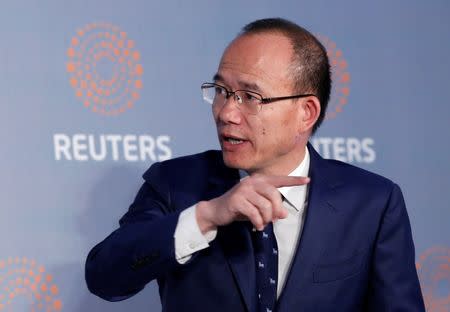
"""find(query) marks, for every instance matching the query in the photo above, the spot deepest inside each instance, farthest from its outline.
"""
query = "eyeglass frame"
(262, 99)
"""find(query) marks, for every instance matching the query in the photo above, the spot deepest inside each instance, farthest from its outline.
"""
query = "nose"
(229, 112)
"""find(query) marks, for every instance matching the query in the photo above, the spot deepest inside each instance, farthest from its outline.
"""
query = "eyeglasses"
(249, 102)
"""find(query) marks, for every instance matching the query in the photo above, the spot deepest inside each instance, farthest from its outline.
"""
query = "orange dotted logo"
(24, 277)
(340, 77)
(104, 68)
(433, 268)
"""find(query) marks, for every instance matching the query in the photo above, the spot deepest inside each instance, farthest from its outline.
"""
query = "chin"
(235, 162)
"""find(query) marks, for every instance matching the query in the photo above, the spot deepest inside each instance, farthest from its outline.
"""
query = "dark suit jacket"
(356, 252)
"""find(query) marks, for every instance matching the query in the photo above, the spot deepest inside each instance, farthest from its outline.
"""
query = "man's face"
(271, 142)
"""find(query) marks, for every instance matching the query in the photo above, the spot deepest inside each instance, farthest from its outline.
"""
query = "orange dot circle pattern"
(98, 44)
(433, 268)
(24, 277)
(340, 77)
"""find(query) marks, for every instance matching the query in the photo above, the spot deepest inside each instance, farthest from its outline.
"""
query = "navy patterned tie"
(266, 260)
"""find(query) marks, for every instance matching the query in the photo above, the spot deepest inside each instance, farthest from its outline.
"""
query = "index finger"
(280, 181)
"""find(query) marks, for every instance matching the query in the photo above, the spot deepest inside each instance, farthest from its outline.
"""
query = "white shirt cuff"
(188, 237)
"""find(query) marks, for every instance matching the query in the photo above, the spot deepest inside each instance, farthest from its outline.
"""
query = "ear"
(311, 112)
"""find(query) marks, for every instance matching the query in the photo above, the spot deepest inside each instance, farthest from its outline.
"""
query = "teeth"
(234, 141)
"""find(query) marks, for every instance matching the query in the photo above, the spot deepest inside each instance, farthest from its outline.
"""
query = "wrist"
(203, 214)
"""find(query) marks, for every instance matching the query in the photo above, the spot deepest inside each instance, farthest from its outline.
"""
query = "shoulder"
(348, 171)
(186, 180)
(365, 192)
(359, 180)
(200, 164)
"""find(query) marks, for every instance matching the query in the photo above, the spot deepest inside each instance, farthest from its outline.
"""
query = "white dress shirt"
(189, 239)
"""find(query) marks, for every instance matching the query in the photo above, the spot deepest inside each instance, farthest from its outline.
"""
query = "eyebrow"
(217, 77)
(251, 86)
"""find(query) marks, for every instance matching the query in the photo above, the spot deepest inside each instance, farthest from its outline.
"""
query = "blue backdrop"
(94, 92)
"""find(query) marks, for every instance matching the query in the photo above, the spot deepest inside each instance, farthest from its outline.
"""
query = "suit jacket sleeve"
(141, 249)
(394, 283)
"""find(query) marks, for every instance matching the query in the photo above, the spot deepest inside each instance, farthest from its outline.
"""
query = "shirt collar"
(295, 195)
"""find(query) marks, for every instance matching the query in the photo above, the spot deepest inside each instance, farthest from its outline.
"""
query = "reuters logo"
(104, 68)
(433, 268)
(22, 277)
(340, 77)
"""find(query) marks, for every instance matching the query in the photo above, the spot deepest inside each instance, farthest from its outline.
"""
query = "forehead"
(263, 59)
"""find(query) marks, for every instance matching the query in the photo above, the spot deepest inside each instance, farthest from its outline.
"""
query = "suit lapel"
(237, 246)
(318, 226)
(235, 239)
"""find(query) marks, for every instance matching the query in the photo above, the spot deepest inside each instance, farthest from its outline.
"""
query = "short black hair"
(310, 64)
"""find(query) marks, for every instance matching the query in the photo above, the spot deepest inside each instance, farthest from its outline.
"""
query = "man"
(244, 229)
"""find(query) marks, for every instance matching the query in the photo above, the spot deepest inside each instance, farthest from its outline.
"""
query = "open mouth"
(233, 140)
